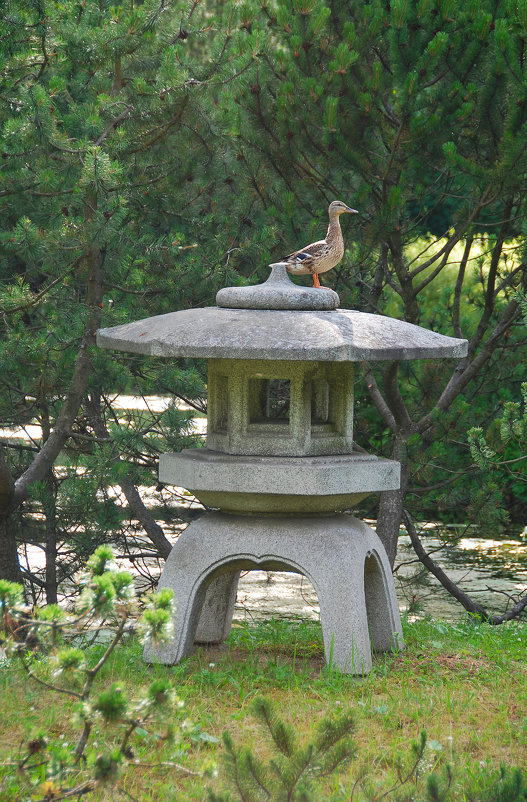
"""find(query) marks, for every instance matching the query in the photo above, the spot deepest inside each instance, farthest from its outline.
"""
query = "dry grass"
(465, 685)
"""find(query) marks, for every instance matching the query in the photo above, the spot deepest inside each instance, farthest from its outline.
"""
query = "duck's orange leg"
(316, 282)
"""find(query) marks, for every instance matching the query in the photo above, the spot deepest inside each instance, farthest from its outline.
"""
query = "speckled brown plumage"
(321, 256)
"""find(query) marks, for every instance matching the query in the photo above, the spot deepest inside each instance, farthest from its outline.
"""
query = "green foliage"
(109, 175)
(66, 770)
(111, 704)
(501, 450)
(444, 680)
(100, 561)
(11, 597)
(379, 106)
(152, 153)
(295, 772)
(508, 786)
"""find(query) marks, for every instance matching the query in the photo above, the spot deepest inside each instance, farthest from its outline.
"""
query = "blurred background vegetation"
(152, 152)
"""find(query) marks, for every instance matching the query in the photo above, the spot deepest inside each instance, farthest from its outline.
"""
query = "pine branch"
(256, 770)
(231, 762)
(331, 730)
(37, 298)
(114, 123)
(282, 735)
(40, 681)
(150, 525)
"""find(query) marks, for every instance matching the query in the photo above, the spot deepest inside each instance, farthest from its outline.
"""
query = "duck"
(323, 255)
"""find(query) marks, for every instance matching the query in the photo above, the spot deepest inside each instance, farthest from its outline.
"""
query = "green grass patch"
(464, 684)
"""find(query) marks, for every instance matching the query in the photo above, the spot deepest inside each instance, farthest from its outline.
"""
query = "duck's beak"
(351, 211)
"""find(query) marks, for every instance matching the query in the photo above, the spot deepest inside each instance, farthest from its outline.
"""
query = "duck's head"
(337, 207)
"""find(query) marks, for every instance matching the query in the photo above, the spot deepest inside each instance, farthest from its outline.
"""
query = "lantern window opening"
(269, 400)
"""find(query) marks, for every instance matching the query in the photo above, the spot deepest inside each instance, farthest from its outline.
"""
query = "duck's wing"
(313, 251)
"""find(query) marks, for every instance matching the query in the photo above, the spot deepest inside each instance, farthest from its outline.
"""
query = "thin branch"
(15, 191)
(135, 503)
(514, 612)
(378, 399)
(164, 764)
(79, 790)
(43, 292)
(445, 482)
(114, 123)
(468, 369)
(449, 244)
(451, 587)
(455, 591)
(38, 679)
(92, 672)
(163, 129)
(459, 286)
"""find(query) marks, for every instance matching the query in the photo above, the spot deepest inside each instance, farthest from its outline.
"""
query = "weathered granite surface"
(319, 401)
(338, 336)
(342, 557)
(287, 476)
(278, 292)
(256, 323)
(301, 485)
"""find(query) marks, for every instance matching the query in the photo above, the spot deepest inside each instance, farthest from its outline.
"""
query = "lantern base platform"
(279, 485)
(342, 557)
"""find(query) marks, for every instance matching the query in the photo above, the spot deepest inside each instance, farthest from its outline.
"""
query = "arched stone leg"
(340, 590)
(358, 605)
(215, 619)
(381, 603)
(332, 552)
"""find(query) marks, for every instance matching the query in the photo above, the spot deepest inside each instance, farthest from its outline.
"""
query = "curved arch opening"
(244, 590)
(265, 593)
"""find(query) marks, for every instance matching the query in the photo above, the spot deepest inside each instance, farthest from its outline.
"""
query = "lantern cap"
(278, 292)
(279, 320)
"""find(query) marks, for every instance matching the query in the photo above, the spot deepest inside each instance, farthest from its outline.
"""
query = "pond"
(493, 572)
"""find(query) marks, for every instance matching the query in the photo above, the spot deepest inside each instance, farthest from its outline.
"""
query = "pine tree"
(109, 161)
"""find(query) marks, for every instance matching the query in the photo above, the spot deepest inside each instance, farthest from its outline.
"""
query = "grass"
(465, 684)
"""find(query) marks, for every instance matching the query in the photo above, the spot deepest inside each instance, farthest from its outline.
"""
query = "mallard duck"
(321, 256)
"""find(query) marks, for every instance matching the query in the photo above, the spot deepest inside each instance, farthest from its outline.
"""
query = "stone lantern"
(280, 471)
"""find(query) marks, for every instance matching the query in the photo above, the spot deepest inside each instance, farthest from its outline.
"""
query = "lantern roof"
(276, 321)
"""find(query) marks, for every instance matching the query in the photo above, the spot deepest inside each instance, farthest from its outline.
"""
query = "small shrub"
(295, 772)
(60, 660)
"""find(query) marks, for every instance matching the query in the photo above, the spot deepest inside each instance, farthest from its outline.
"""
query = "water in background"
(493, 572)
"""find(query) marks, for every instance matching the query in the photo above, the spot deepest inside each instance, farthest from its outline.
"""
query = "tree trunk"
(50, 512)
(14, 493)
(391, 505)
(9, 565)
